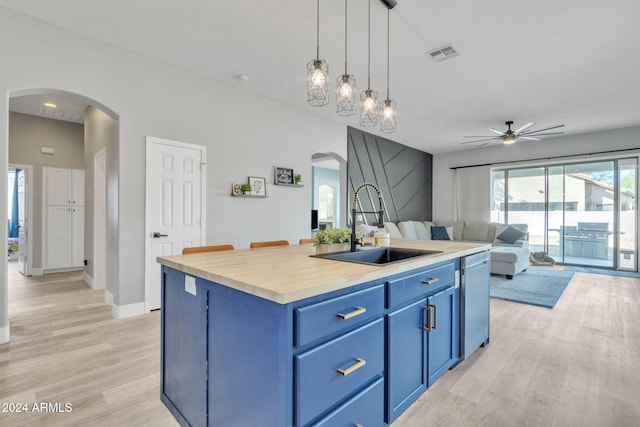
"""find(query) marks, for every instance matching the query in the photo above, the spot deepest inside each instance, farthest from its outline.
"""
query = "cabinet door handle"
(431, 281)
(359, 425)
(357, 312)
(435, 315)
(428, 310)
(359, 364)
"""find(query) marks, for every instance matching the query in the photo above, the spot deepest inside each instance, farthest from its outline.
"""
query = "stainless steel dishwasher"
(474, 302)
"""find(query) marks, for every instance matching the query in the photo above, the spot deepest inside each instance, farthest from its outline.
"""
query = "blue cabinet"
(422, 335)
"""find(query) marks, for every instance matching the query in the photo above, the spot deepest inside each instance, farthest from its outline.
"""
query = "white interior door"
(23, 248)
(175, 205)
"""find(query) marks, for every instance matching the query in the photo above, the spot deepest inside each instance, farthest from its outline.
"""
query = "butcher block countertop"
(285, 274)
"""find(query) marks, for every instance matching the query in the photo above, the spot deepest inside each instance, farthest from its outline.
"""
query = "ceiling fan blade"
(496, 131)
(543, 134)
(528, 138)
(480, 140)
(482, 145)
(541, 130)
(478, 136)
(523, 128)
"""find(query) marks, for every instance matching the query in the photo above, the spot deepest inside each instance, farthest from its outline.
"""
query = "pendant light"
(388, 121)
(369, 97)
(346, 83)
(317, 73)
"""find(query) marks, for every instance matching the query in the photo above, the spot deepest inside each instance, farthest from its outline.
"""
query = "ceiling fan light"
(317, 82)
(509, 139)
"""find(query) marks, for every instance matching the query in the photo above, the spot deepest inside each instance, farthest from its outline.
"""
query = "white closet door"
(58, 186)
(77, 187)
(58, 237)
(77, 236)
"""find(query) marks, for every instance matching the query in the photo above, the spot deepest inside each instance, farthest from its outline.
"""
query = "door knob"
(157, 235)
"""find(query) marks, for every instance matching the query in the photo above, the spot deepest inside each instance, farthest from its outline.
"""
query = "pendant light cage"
(346, 84)
(369, 108)
(346, 95)
(388, 122)
(317, 73)
(317, 82)
(369, 97)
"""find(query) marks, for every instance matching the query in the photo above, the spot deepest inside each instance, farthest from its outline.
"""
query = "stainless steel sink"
(377, 256)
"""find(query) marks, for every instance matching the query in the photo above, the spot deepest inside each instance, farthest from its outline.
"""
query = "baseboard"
(108, 297)
(36, 272)
(4, 334)
(129, 310)
(91, 282)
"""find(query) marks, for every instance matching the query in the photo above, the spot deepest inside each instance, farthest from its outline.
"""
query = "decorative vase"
(324, 248)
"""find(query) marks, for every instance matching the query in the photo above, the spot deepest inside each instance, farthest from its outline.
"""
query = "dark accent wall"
(403, 174)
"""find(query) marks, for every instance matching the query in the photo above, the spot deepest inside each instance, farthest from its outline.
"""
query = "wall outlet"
(190, 285)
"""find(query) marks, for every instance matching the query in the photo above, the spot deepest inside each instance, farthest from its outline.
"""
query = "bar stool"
(213, 248)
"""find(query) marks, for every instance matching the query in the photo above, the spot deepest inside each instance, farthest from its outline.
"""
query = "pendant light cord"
(369, 50)
(318, 31)
(387, 53)
(345, 37)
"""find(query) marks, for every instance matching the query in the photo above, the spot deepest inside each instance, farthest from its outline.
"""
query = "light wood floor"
(575, 365)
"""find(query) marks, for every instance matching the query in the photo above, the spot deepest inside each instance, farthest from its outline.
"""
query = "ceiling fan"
(511, 136)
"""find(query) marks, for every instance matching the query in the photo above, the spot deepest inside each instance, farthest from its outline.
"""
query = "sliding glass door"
(579, 213)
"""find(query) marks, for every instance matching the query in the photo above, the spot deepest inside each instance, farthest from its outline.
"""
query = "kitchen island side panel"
(249, 360)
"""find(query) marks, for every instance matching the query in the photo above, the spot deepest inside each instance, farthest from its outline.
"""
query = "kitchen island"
(274, 337)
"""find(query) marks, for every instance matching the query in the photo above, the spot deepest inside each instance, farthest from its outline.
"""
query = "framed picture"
(283, 175)
(258, 186)
(236, 189)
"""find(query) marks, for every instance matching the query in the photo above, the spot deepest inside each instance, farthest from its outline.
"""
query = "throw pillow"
(439, 233)
(511, 235)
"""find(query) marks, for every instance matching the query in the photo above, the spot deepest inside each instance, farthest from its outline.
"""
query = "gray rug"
(536, 286)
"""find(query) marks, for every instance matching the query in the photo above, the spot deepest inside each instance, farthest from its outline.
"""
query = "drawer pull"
(428, 328)
(359, 364)
(435, 315)
(358, 311)
(359, 425)
(431, 281)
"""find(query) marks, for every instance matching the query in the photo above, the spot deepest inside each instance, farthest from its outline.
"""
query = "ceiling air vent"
(443, 53)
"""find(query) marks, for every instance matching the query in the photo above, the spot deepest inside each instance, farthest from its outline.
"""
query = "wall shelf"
(249, 195)
(288, 185)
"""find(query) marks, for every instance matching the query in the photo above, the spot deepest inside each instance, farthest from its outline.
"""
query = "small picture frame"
(258, 186)
(283, 176)
(236, 189)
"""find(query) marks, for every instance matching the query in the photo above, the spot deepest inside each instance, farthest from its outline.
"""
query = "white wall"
(582, 145)
(246, 135)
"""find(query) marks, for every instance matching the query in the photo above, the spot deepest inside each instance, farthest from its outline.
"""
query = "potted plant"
(246, 188)
(297, 178)
(332, 240)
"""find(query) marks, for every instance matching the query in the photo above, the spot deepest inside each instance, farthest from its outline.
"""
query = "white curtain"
(472, 194)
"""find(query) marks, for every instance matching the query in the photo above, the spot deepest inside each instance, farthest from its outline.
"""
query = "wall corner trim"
(129, 310)
(4, 334)
(108, 297)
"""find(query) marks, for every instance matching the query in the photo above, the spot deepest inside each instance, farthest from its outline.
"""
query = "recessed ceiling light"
(241, 77)
(50, 105)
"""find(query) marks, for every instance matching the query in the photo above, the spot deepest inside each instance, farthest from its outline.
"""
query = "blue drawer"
(318, 320)
(364, 409)
(318, 383)
(425, 282)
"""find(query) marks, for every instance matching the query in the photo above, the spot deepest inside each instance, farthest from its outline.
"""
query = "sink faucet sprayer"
(354, 206)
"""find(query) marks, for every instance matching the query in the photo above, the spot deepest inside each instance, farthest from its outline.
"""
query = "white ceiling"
(572, 62)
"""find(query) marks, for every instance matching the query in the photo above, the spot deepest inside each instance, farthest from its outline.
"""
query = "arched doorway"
(99, 126)
(329, 177)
